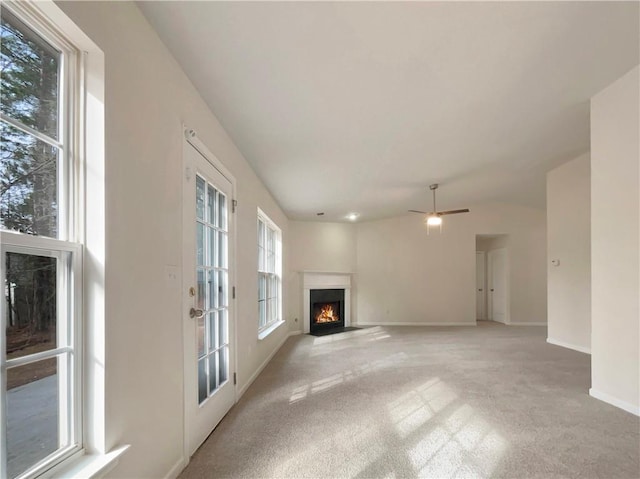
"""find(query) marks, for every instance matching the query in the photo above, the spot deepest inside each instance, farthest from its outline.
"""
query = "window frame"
(70, 118)
(68, 246)
(272, 276)
(68, 257)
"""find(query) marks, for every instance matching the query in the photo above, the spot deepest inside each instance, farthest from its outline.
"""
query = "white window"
(269, 273)
(40, 249)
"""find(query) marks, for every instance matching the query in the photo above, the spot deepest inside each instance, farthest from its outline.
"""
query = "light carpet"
(392, 402)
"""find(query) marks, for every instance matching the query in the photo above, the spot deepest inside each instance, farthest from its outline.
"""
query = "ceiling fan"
(434, 218)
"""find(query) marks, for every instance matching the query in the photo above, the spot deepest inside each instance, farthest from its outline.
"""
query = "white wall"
(615, 238)
(327, 247)
(148, 98)
(487, 244)
(569, 241)
(323, 246)
(405, 276)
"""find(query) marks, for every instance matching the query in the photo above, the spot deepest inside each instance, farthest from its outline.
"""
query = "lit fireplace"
(328, 313)
(326, 308)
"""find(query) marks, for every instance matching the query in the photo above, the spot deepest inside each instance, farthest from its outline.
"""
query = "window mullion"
(35, 357)
(30, 131)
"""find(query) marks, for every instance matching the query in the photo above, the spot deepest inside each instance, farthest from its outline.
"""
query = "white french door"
(208, 326)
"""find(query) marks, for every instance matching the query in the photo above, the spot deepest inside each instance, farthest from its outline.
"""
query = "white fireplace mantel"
(324, 280)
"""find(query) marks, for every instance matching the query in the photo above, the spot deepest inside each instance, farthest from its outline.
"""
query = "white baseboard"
(414, 324)
(528, 324)
(177, 468)
(253, 377)
(625, 406)
(575, 347)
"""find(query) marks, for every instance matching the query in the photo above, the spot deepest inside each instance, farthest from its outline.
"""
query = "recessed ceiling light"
(352, 216)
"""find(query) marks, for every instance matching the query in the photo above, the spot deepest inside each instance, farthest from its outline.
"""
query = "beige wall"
(405, 276)
(615, 243)
(569, 242)
(148, 98)
(323, 246)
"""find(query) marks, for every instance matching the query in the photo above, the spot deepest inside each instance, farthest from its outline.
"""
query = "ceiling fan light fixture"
(434, 220)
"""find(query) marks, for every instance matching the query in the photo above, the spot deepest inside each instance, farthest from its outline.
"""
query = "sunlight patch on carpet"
(459, 444)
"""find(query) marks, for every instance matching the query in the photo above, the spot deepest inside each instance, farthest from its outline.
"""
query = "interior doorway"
(481, 285)
(492, 278)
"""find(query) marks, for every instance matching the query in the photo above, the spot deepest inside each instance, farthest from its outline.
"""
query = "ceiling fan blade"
(452, 212)
(416, 211)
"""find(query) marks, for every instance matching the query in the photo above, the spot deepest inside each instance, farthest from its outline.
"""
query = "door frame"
(191, 140)
(507, 289)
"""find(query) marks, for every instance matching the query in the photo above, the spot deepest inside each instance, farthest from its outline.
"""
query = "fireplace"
(318, 282)
(326, 308)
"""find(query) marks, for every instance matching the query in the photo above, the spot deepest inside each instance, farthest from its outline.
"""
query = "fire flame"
(327, 315)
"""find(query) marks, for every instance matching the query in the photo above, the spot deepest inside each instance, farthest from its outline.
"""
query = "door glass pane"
(222, 212)
(212, 235)
(28, 183)
(32, 414)
(222, 327)
(200, 244)
(213, 331)
(222, 365)
(202, 379)
(201, 290)
(213, 289)
(213, 369)
(222, 289)
(222, 249)
(201, 336)
(29, 80)
(199, 198)
(211, 205)
(30, 299)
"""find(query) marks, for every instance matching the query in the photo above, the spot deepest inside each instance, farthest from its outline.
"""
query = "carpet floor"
(392, 402)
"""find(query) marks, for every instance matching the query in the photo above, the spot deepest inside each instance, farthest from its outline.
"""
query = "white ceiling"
(353, 106)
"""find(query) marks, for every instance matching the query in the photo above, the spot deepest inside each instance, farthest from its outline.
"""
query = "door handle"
(480, 289)
(492, 290)
(196, 313)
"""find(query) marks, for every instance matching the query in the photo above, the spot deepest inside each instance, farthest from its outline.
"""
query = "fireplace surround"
(324, 285)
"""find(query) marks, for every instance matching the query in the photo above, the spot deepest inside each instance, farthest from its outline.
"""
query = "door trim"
(191, 140)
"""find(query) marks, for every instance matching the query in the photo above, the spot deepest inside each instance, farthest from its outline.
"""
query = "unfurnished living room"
(320, 239)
